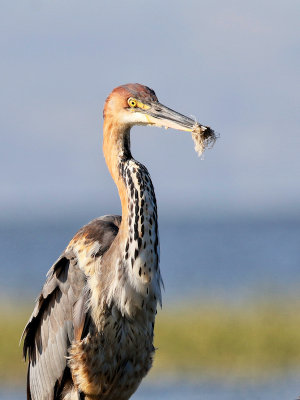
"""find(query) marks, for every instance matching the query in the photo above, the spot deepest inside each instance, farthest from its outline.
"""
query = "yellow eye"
(132, 102)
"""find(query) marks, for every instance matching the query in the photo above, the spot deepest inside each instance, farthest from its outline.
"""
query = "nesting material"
(203, 137)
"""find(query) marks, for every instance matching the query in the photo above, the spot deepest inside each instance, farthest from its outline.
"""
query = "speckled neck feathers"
(136, 284)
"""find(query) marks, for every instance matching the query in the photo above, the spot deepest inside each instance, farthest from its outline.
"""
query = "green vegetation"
(256, 340)
(12, 366)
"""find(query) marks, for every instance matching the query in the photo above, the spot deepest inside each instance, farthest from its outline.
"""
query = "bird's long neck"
(116, 149)
(131, 177)
(137, 241)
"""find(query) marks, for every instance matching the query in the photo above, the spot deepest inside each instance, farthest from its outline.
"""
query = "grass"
(253, 341)
(13, 320)
(256, 340)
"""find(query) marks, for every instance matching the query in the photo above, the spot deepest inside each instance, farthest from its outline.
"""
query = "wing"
(50, 331)
(60, 314)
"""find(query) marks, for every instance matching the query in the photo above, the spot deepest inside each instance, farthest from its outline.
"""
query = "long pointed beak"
(160, 115)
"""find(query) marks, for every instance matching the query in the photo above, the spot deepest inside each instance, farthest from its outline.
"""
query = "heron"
(90, 335)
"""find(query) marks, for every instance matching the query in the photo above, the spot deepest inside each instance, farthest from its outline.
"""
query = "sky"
(234, 65)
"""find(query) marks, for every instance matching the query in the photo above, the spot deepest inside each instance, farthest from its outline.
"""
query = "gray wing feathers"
(50, 330)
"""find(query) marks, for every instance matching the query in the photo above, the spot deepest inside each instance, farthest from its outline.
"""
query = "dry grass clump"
(203, 137)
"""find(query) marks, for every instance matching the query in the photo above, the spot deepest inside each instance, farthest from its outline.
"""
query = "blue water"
(225, 259)
(229, 260)
(276, 389)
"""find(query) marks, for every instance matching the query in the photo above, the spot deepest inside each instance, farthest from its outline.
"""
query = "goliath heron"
(90, 335)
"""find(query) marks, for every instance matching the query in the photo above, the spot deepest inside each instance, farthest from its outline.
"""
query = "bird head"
(135, 104)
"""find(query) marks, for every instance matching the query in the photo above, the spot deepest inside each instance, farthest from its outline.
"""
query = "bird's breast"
(111, 363)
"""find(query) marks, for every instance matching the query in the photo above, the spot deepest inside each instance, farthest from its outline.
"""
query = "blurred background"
(229, 223)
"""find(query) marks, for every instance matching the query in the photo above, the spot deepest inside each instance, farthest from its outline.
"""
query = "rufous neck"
(116, 149)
